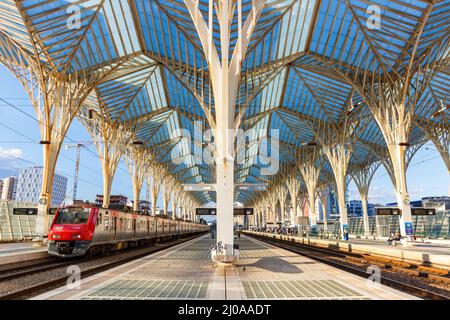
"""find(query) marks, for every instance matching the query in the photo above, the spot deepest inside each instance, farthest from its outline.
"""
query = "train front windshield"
(73, 216)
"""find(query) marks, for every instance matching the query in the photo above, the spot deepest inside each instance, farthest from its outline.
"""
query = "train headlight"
(76, 236)
(56, 236)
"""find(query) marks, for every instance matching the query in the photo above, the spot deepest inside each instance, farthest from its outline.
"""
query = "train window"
(99, 219)
(106, 221)
(73, 216)
(120, 226)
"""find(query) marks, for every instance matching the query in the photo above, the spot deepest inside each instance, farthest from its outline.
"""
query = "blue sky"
(427, 175)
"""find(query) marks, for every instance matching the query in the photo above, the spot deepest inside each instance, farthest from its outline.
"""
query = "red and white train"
(78, 230)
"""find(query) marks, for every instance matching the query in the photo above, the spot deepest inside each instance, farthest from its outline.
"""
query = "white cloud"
(8, 157)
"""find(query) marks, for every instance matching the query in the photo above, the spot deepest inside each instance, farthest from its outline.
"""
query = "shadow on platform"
(273, 264)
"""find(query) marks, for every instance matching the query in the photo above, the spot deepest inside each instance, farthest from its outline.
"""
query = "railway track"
(342, 261)
(99, 264)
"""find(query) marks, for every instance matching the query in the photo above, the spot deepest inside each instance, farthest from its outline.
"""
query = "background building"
(114, 200)
(439, 203)
(332, 207)
(9, 189)
(29, 186)
(354, 209)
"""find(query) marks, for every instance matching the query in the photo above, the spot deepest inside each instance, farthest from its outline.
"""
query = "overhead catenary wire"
(65, 136)
(31, 140)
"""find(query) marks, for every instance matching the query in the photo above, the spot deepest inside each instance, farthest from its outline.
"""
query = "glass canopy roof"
(294, 74)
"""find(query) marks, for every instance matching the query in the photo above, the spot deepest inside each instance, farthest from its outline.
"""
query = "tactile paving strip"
(304, 289)
(150, 289)
(190, 254)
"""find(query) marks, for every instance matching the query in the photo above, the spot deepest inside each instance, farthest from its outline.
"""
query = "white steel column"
(338, 156)
(362, 177)
(310, 173)
(136, 162)
(293, 186)
(324, 202)
(111, 141)
(155, 186)
(365, 216)
(166, 196)
(225, 76)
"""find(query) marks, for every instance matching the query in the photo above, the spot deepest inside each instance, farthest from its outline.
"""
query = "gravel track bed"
(419, 282)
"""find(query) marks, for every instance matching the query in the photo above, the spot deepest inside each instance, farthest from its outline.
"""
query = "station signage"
(25, 211)
(387, 211)
(423, 211)
(205, 211)
(212, 211)
(243, 211)
(409, 228)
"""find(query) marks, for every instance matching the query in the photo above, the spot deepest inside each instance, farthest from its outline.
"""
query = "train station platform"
(23, 251)
(436, 254)
(186, 271)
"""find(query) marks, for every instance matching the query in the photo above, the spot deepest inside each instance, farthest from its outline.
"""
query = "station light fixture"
(352, 107)
(310, 144)
(90, 114)
(441, 110)
(44, 142)
(138, 142)
(404, 144)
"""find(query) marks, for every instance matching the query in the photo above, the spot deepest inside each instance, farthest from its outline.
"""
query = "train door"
(114, 226)
(134, 227)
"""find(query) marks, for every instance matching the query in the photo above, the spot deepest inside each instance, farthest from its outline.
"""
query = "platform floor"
(11, 248)
(17, 252)
(262, 272)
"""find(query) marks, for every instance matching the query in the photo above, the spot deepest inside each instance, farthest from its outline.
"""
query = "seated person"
(398, 237)
(391, 238)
